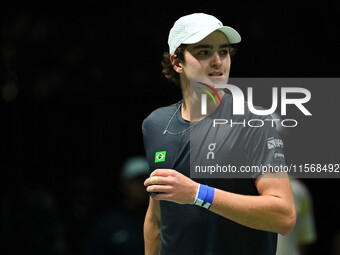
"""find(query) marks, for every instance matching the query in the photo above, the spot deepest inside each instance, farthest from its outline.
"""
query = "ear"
(176, 63)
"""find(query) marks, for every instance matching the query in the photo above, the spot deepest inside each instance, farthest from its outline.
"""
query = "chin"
(218, 79)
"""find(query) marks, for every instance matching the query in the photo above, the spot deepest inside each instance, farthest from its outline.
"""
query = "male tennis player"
(209, 216)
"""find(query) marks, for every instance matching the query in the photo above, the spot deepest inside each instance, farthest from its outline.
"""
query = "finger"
(158, 188)
(161, 196)
(153, 180)
(161, 172)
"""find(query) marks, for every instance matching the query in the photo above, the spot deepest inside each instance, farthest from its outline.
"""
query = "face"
(207, 59)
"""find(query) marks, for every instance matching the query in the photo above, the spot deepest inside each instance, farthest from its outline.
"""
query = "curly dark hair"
(168, 69)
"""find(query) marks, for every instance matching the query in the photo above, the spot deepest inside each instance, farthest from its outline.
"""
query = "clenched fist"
(170, 185)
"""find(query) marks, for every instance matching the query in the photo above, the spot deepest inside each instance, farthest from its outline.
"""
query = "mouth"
(216, 74)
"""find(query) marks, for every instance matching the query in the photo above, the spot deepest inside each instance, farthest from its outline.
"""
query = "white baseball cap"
(195, 27)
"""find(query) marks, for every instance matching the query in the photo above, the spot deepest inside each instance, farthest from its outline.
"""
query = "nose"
(216, 60)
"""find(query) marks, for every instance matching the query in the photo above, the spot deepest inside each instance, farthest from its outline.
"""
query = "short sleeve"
(264, 145)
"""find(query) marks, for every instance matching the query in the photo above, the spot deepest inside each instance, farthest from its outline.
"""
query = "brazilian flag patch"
(160, 156)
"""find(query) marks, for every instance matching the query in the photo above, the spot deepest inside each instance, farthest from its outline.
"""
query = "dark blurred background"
(77, 81)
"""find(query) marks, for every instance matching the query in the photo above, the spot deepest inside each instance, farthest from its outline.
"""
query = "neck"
(185, 109)
(191, 106)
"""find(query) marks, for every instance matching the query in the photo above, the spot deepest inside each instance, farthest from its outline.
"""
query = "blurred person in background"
(120, 230)
(336, 244)
(304, 232)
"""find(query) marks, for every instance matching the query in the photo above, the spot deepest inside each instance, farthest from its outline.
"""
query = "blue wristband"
(205, 196)
(201, 194)
(209, 198)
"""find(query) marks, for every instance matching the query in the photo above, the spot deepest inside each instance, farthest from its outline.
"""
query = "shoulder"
(159, 117)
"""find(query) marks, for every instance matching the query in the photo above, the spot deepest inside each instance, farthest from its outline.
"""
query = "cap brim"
(232, 35)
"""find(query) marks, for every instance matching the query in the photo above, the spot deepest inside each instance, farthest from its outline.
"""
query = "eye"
(202, 53)
(224, 52)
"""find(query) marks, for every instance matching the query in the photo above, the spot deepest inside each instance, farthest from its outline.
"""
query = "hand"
(174, 186)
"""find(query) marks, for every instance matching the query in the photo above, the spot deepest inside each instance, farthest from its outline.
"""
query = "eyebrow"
(208, 46)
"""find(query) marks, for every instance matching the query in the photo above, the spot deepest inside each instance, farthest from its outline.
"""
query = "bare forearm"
(152, 238)
(268, 213)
